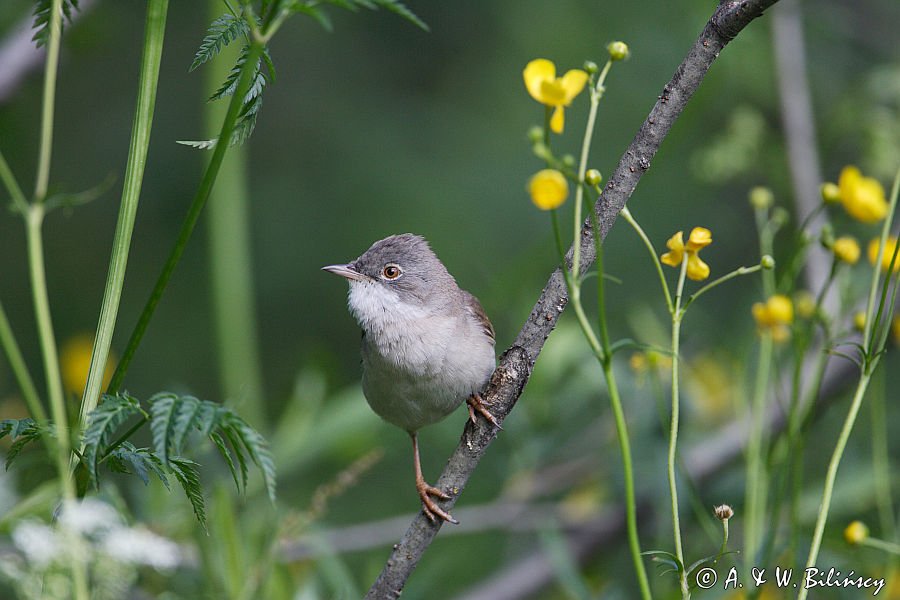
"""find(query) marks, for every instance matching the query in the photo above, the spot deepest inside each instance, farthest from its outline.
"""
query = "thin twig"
(517, 362)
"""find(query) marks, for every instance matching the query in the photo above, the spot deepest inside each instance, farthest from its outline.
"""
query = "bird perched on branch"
(427, 344)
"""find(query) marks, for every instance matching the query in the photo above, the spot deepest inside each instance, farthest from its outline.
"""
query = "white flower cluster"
(93, 529)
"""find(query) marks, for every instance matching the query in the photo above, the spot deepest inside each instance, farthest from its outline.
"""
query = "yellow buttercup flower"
(550, 90)
(700, 238)
(856, 532)
(548, 189)
(846, 249)
(75, 361)
(889, 246)
(775, 315)
(862, 197)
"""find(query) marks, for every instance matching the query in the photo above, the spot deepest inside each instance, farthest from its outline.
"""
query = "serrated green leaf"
(188, 406)
(41, 13)
(138, 461)
(258, 449)
(219, 441)
(199, 144)
(220, 33)
(15, 427)
(163, 412)
(103, 421)
(188, 476)
(208, 417)
(235, 441)
(24, 436)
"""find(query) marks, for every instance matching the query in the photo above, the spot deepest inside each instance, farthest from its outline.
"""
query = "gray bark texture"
(516, 364)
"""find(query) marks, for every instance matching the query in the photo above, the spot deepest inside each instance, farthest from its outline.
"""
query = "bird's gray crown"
(421, 273)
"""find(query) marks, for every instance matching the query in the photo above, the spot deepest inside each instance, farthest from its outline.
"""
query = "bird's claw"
(430, 507)
(476, 403)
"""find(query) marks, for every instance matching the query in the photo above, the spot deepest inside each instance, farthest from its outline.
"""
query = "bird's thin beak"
(346, 271)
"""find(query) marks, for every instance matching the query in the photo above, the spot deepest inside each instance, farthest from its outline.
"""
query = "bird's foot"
(429, 506)
(476, 403)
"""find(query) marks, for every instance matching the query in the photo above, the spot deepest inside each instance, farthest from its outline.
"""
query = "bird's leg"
(477, 404)
(426, 491)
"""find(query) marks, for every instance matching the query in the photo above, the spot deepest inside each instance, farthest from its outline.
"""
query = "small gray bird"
(427, 345)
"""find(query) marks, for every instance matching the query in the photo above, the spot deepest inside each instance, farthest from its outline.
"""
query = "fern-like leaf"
(163, 413)
(103, 421)
(221, 32)
(257, 448)
(42, 10)
(137, 461)
(199, 144)
(188, 476)
(22, 433)
(219, 441)
(184, 422)
(235, 441)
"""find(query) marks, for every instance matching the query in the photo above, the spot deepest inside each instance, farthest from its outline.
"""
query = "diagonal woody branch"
(508, 381)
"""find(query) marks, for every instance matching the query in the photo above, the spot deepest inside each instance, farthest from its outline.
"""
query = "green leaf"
(23, 433)
(103, 421)
(199, 144)
(219, 441)
(188, 406)
(163, 413)
(221, 32)
(14, 427)
(235, 440)
(188, 476)
(41, 26)
(138, 461)
(257, 448)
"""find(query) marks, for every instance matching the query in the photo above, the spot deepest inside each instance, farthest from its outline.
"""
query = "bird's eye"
(391, 271)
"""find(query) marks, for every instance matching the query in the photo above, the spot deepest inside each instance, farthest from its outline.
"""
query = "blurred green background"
(380, 128)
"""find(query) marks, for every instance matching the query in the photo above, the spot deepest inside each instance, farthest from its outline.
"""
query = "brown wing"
(475, 308)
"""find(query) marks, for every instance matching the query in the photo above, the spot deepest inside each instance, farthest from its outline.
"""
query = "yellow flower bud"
(548, 188)
(593, 177)
(831, 193)
(774, 316)
(618, 51)
(590, 66)
(859, 321)
(761, 197)
(856, 532)
(767, 262)
(872, 252)
(862, 197)
(846, 249)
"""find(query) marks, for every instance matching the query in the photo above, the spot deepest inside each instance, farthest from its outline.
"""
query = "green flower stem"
(881, 460)
(626, 214)
(628, 472)
(766, 236)
(615, 399)
(190, 221)
(677, 315)
(596, 93)
(873, 355)
(45, 151)
(131, 191)
(231, 265)
(724, 547)
(601, 351)
(831, 474)
(736, 273)
(756, 482)
(873, 288)
(12, 186)
(885, 546)
(20, 369)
